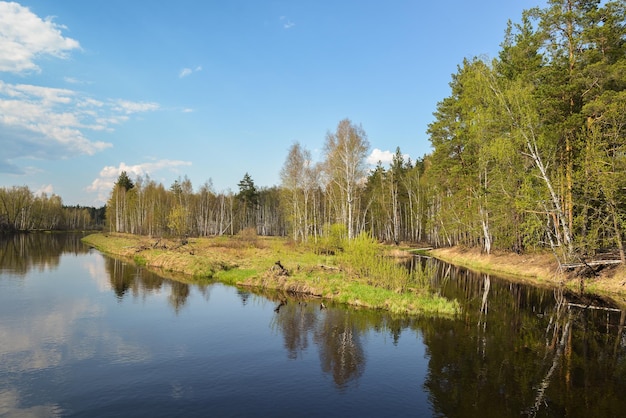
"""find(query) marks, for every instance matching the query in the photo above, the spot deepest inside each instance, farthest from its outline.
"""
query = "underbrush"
(364, 258)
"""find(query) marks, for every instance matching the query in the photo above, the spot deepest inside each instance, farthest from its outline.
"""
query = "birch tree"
(345, 152)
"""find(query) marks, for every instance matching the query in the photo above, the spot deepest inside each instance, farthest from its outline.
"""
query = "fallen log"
(569, 266)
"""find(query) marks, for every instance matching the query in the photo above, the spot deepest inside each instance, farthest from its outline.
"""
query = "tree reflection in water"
(127, 278)
(334, 331)
(340, 349)
(515, 349)
(295, 320)
(540, 352)
(23, 251)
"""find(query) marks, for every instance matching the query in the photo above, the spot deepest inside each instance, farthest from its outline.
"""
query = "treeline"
(22, 210)
(530, 148)
(529, 151)
(142, 206)
(334, 199)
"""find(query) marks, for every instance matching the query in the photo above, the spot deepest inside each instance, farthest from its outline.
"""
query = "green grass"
(235, 276)
(140, 261)
(360, 275)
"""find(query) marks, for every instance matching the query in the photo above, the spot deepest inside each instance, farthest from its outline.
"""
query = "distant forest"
(529, 152)
(22, 210)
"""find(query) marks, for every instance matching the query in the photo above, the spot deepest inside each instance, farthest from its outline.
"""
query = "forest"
(528, 153)
(23, 210)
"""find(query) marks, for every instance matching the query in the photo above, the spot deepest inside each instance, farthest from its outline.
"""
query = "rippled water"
(82, 334)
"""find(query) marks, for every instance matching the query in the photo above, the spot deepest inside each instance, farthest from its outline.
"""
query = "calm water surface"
(85, 335)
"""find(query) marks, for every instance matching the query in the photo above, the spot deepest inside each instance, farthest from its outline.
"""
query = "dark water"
(86, 335)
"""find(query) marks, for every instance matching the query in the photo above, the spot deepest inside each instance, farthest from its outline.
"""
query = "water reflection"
(130, 279)
(21, 252)
(10, 407)
(334, 331)
(297, 321)
(535, 351)
(515, 350)
(341, 351)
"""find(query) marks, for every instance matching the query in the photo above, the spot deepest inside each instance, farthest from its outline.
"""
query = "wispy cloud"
(24, 37)
(72, 80)
(52, 123)
(185, 72)
(128, 107)
(109, 174)
(39, 122)
(385, 157)
(286, 22)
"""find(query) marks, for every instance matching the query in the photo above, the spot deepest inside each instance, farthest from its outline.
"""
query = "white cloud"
(378, 155)
(44, 189)
(109, 174)
(287, 24)
(33, 116)
(72, 80)
(24, 37)
(52, 123)
(188, 71)
(385, 157)
(129, 107)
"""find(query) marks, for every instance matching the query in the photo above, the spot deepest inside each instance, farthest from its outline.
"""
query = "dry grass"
(541, 267)
(538, 269)
(248, 260)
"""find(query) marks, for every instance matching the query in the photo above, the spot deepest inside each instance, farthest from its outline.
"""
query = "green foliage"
(22, 210)
(333, 239)
(526, 149)
(140, 261)
(124, 181)
(177, 220)
(247, 191)
(363, 258)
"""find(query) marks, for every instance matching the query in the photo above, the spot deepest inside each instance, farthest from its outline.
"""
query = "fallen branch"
(323, 267)
(602, 308)
(590, 263)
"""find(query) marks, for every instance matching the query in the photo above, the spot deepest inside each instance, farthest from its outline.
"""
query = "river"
(86, 335)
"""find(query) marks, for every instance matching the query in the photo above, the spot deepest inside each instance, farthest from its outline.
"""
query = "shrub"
(333, 239)
(363, 258)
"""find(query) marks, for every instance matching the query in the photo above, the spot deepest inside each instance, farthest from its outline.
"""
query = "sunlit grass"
(360, 275)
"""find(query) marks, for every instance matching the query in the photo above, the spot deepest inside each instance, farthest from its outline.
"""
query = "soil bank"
(540, 269)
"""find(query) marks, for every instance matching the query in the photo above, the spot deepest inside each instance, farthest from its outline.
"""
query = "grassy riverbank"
(539, 269)
(279, 264)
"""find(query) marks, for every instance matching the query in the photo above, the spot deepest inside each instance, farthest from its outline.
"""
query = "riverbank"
(270, 263)
(540, 269)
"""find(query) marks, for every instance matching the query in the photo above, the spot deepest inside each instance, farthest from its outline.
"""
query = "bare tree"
(292, 177)
(346, 150)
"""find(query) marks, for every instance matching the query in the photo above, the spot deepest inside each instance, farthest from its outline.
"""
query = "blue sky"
(214, 89)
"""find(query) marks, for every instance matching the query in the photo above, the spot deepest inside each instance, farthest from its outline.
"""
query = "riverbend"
(88, 335)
